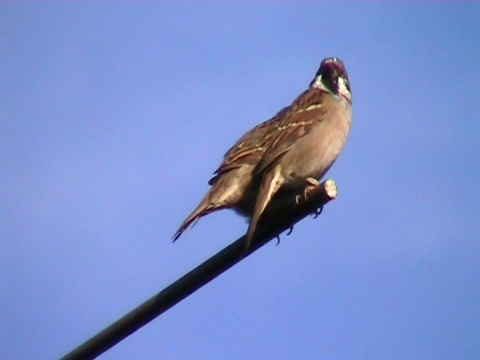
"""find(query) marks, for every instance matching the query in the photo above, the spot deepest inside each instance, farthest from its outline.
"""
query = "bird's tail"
(203, 209)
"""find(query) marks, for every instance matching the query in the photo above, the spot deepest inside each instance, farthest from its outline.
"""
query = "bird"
(308, 139)
(291, 151)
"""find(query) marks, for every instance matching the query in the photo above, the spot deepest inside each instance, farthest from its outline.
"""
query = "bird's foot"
(290, 229)
(317, 212)
(312, 184)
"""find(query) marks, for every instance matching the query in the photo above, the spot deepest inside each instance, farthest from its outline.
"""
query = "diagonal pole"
(277, 222)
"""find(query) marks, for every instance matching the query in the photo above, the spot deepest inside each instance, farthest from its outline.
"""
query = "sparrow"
(288, 152)
(308, 139)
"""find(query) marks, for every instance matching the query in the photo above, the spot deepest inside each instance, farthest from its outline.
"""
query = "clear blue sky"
(114, 116)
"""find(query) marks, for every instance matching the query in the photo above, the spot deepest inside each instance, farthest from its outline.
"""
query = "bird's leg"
(313, 183)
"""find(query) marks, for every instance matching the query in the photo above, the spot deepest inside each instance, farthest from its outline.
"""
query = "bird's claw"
(317, 212)
(290, 230)
(278, 240)
(297, 199)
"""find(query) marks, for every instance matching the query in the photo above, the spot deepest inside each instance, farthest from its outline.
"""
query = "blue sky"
(114, 116)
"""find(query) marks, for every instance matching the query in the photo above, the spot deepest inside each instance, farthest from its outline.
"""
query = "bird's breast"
(315, 153)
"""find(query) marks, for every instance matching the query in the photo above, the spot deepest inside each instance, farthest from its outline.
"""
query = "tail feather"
(225, 193)
(191, 219)
(202, 210)
(206, 207)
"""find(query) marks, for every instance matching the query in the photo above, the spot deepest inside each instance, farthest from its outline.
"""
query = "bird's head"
(332, 77)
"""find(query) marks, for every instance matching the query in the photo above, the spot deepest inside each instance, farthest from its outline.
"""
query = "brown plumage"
(308, 140)
(287, 152)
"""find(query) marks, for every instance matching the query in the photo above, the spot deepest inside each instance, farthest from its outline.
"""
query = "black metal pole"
(201, 275)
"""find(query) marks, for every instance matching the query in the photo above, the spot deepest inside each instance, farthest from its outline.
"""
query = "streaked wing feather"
(305, 113)
(251, 146)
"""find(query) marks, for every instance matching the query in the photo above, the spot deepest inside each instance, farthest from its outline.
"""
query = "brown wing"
(251, 146)
(305, 111)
